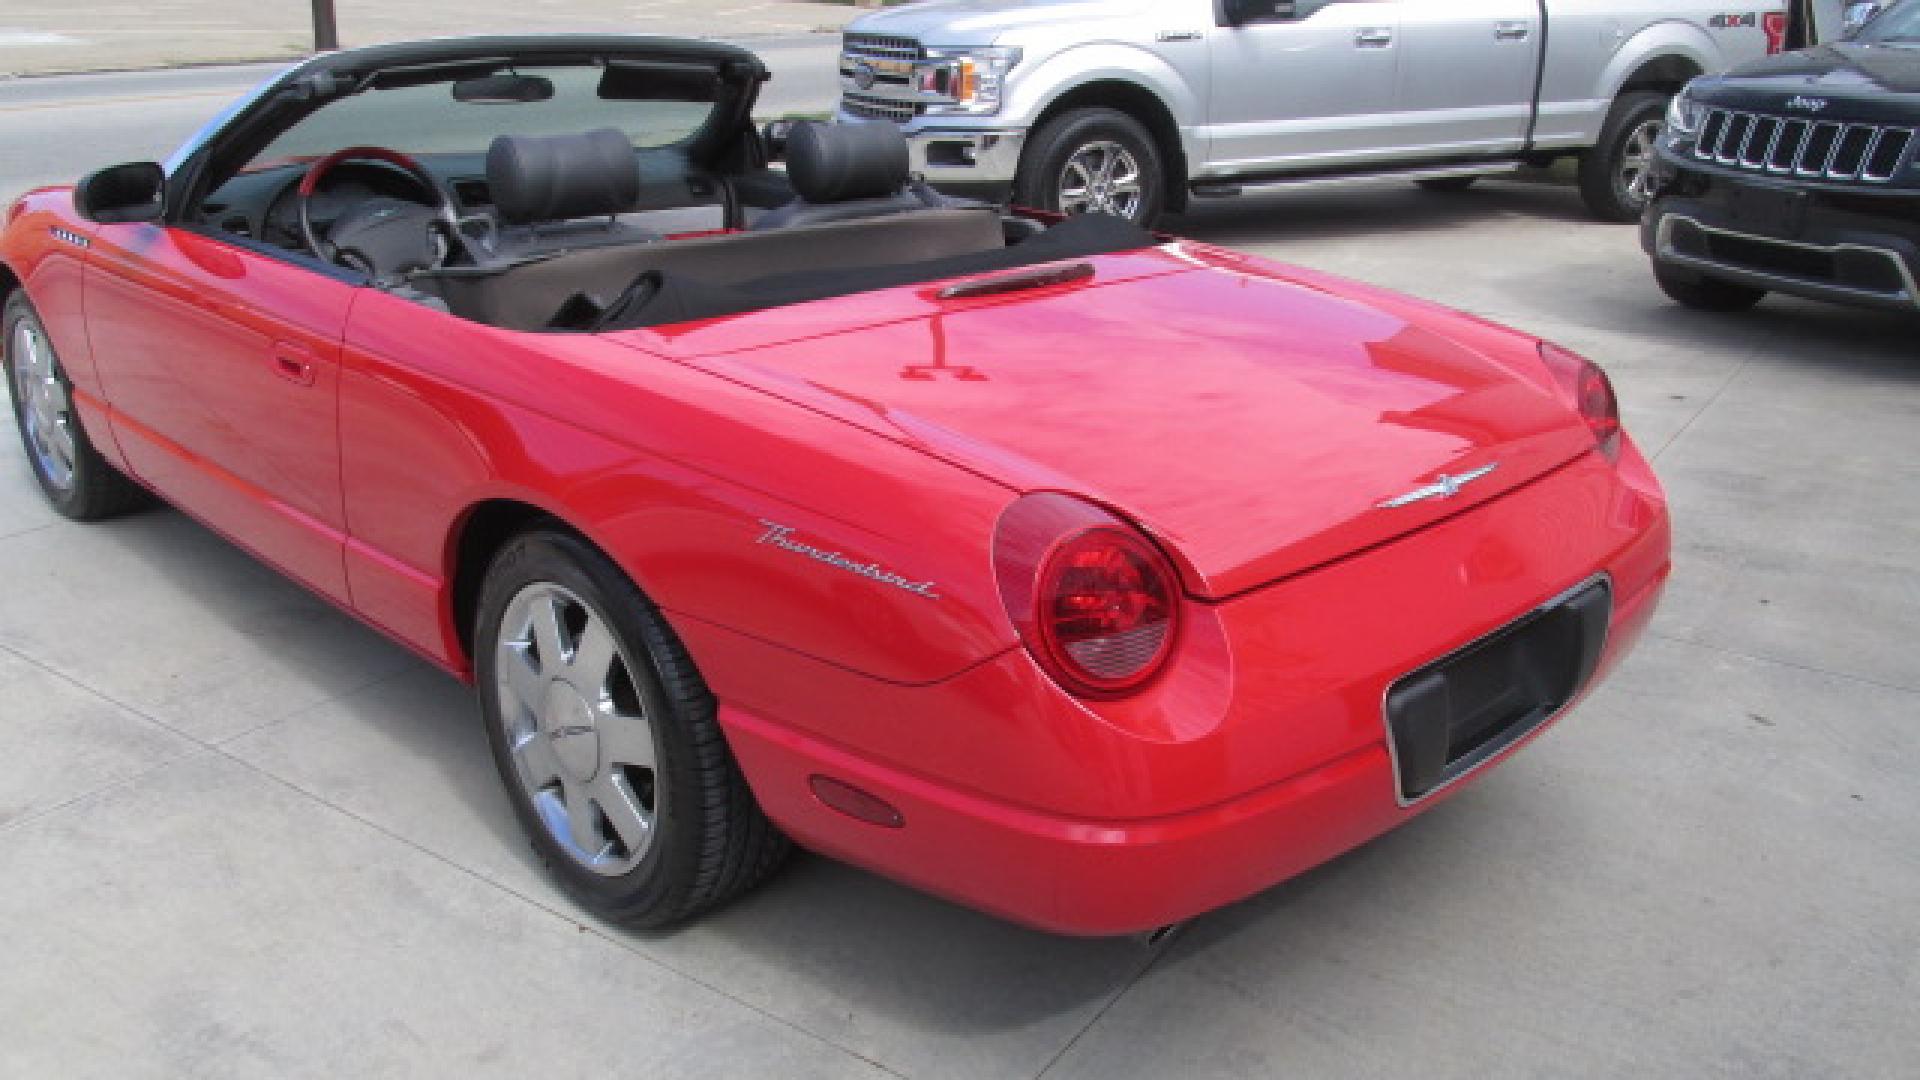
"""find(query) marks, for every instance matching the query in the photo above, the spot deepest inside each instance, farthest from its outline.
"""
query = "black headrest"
(557, 177)
(831, 163)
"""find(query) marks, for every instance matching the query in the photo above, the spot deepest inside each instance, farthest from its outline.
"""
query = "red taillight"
(1775, 24)
(1096, 603)
(1589, 391)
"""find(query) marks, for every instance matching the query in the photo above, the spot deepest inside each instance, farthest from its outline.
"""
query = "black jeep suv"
(1796, 174)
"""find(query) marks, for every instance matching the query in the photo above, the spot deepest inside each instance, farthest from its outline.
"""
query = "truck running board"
(1226, 189)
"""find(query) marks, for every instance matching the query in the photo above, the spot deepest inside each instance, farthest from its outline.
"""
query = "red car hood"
(1254, 423)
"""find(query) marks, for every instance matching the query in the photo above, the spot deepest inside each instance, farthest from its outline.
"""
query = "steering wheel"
(383, 237)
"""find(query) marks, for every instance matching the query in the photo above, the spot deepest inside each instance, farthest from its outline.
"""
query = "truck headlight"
(968, 82)
(1684, 117)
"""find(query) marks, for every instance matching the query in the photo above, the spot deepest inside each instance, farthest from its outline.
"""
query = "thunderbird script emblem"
(1446, 487)
(781, 536)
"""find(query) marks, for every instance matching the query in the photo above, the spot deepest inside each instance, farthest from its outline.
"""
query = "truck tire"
(1615, 173)
(1093, 159)
(1702, 293)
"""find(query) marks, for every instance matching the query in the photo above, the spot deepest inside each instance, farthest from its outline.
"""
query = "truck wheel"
(1616, 174)
(1689, 288)
(1093, 161)
(1448, 183)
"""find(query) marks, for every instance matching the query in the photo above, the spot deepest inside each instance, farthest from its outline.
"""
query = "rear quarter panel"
(674, 473)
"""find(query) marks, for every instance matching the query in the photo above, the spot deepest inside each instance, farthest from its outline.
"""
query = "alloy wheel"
(580, 736)
(1636, 162)
(1101, 177)
(46, 412)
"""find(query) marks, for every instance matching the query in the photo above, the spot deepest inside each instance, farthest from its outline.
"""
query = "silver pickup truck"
(1134, 106)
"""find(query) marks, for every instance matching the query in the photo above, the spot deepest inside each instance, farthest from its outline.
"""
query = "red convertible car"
(1089, 577)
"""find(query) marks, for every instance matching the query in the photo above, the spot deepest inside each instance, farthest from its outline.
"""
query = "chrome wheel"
(1636, 162)
(1101, 177)
(581, 741)
(46, 413)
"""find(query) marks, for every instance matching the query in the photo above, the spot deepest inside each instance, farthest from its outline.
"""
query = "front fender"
(44, 247)
(1063, 72)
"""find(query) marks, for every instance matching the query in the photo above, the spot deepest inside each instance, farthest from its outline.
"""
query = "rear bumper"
(1090, 877)
(1247, 771)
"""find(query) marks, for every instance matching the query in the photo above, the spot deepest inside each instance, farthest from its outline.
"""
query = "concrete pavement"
(241, 835)
(40, 37)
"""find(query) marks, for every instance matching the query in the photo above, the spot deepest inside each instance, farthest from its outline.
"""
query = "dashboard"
(262, 204)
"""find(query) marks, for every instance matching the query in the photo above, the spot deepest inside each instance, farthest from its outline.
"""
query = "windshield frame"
(218, 152)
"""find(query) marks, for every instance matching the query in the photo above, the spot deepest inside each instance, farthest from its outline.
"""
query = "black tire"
(1448, 183)
(1606, 181)
(710, 842)
(91, 488)
(1696, 290)
(1069, 136)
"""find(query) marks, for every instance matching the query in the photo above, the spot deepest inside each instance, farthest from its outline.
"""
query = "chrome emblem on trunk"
(1446, 487)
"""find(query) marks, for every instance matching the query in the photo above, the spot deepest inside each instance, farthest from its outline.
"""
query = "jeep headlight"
(968, 82)
(1684, 117)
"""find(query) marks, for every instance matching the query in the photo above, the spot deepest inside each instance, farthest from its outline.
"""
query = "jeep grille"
(1809, 149)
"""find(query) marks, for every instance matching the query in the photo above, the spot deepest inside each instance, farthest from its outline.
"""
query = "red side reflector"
(851, 801)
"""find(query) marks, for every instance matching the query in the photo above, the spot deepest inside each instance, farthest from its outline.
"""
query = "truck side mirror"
(136, 191)
(1857, 18)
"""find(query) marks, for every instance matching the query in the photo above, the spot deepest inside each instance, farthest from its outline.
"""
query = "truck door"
(1303, 84)
(1468, 69)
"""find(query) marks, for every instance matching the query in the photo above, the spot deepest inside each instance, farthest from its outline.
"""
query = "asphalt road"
(57, 128)
(242, 835)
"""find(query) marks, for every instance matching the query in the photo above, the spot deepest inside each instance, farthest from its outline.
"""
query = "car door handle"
(1372, 38)
(293, 363)
(1512, 31)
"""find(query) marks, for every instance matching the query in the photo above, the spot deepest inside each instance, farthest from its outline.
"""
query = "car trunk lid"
(1259, 426)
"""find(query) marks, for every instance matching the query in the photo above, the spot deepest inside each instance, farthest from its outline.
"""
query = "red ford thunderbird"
(1084, 576)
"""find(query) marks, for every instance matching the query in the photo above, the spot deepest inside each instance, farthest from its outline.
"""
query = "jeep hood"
(1253, 421)
(1843, 70)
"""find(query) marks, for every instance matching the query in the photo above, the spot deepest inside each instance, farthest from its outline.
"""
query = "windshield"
(430, 119)
(1899, 24)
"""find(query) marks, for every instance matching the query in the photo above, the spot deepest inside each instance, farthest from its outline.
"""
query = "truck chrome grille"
(1811, 149)
(880, 47)
(873, 108)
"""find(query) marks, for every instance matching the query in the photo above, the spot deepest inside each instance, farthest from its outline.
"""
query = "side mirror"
(1857, 18)
(133, 192)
